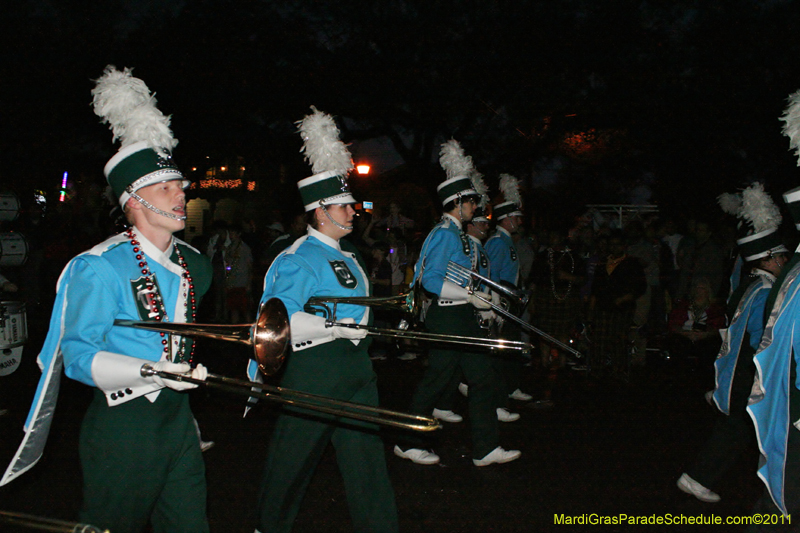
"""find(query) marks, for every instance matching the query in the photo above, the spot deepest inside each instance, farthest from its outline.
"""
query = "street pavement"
(606, 448)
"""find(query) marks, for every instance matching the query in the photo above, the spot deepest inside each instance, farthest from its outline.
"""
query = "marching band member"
(505, 269)
(329, 361)
(478, 231)
(140, 454)
(764, 256)
(452, 312)
(774, 403)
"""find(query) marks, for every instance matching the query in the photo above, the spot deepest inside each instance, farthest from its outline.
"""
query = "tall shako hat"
(146, 142)
(509, 186)
(760, 221)
(482, 189)
(458, 168)
(791, 128)
(330, 162)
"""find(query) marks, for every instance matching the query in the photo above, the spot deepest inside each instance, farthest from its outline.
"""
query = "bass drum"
(13, 334)
(9, 207)
(13, 249)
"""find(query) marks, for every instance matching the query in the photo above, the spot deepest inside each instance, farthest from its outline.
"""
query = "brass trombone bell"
(269, 335)
(305, 400)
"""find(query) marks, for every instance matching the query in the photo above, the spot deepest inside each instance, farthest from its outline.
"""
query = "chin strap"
(340, 226)
(156, 210)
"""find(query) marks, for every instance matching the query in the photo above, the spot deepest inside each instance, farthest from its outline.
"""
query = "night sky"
(583, 100)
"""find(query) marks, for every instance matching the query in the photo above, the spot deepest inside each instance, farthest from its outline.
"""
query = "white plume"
(127, 106)
(480, 187)
(509, 186)
(453, 160)
(759, 209)
(321, 144)
(731, 203)
(791, 116)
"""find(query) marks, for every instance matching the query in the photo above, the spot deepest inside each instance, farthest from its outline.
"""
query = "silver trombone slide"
(458, 276)
(47, 524)
(468, 276)
(475, 342)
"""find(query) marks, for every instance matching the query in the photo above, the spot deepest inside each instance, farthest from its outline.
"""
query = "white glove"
(178, 368)
(487, 315)
(481, 300)
(342, 332)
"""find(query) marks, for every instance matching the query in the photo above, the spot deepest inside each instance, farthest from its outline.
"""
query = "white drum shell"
(13, 249)
(9, 207)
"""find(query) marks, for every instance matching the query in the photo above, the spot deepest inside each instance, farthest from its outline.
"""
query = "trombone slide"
(306, 400)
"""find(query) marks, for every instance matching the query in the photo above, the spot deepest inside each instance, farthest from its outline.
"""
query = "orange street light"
(362, 169)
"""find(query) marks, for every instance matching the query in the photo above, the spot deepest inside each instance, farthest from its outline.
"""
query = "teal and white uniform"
(450, 313)
(131, 421)
(316, 265)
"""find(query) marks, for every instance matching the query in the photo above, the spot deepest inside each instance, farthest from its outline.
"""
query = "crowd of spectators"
(650, 286)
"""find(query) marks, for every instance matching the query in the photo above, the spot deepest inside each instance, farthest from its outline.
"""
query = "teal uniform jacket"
(775, 387)
(97, 287)
(503, 257)
(446, 242)
(746, 322)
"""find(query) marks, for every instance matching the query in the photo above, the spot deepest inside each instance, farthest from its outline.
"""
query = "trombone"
(459, 274)
(411, 304)
(305, 400)
(269, 337)
(47, 524)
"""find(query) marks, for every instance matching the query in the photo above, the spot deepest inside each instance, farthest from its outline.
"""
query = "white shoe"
(498, 455)
(504, 415)
(408, 356)
(417, 455)
(690, 486)
(463, 388)
(521, 396)
(206, 445)
(447, 416)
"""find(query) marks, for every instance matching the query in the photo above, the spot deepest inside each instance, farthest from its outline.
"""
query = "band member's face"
(467, 209)
(342, 214)
(482, 228)
(168, 196)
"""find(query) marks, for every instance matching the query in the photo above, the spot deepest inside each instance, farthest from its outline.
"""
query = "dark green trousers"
(343, 371)
(141, 462)
(509, 366)
(445, 366)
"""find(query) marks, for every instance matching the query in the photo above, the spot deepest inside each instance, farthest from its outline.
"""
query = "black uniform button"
(296, 345)
(309, 343)
(113, 395)
(129, 391)
(121, 394)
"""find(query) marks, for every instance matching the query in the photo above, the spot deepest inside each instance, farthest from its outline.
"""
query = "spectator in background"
(296, 230)
(380, 274)
(702, 257)
(238, 260)
(643, 245)
(216, 243)
(616, 286)
(556, 280)
(395, 219)
(694, 325)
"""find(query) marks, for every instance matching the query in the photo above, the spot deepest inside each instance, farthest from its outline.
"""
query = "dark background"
(583, 100)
